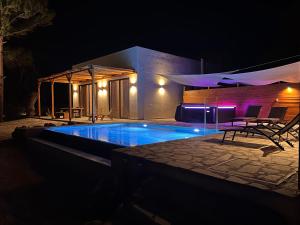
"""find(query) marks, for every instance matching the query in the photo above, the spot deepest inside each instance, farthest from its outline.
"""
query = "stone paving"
(6, 128)
(252, 161)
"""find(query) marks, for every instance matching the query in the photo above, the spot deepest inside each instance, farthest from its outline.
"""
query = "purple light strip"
(202, 107)
(195, 107)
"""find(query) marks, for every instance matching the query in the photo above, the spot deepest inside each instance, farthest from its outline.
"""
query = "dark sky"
(233, 35)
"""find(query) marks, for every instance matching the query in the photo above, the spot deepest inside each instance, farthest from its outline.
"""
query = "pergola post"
(39, 98)
(52, 99)
(92, 73)
(69, 77)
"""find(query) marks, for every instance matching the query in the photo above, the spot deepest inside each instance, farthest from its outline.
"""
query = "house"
(128, 82)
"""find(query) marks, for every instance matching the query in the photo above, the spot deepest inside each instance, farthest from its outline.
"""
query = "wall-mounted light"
(161, 81)
(75, 87)
(289, 89)
(75, 90)
(161, 91)
(133, 78)
(133, 90)
(104, 83)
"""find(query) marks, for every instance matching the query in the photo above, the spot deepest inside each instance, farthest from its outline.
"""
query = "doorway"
(119, 98)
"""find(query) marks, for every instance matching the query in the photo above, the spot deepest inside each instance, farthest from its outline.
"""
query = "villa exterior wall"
(273, 95)
(122, 59)
(160, 96)
(151, 99)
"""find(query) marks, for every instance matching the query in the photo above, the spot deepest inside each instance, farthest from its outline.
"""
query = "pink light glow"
(226, 107)
(202, 107)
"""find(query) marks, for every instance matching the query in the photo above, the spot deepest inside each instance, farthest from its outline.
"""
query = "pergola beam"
(79, 74)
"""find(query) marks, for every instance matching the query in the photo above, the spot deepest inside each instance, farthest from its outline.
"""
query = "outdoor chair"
(278, 112)
(274, 135)
(275, 121)
(102, 115)
(109, 115)
(275, 116)
(251, 114)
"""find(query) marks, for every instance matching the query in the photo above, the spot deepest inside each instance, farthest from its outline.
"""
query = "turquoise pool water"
(133, 134)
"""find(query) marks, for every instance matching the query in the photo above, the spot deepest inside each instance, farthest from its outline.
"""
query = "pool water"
(132, 134)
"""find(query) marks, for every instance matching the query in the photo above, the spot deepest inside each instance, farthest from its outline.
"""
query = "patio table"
(75, 110)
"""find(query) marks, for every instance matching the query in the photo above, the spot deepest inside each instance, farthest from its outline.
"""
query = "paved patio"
(251, 161)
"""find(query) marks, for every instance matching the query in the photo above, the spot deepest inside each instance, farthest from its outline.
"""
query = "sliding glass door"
(119, 98)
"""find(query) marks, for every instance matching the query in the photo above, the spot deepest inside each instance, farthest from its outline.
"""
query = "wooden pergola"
(86, 74)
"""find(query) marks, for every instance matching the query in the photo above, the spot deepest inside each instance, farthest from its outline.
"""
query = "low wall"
(280, 95)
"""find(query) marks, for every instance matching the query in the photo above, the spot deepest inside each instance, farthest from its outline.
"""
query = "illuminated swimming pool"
(132, 134)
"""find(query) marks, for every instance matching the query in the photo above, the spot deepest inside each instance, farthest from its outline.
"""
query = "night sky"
(231, 35)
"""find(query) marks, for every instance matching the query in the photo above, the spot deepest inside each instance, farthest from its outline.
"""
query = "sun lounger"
(275, 116)
(251, 114)
(274, 135)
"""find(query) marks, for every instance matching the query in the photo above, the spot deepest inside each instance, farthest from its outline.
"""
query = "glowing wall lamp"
(133, 90)
(75, 87)
(133, 81)
(289, 89)
(161, 91)
(133, 78)
(75, 90)
(161, 82)
(102, 84)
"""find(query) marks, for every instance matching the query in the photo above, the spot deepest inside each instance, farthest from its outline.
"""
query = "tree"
(20, 83)
(17, 18)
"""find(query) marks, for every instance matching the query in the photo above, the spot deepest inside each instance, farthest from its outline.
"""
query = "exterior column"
(52, 99)
(69, 77)
(92, 73)
(93, 95)
(1, 80)
(39, 98)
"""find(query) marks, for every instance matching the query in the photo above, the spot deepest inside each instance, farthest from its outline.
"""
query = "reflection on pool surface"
(133, 134)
